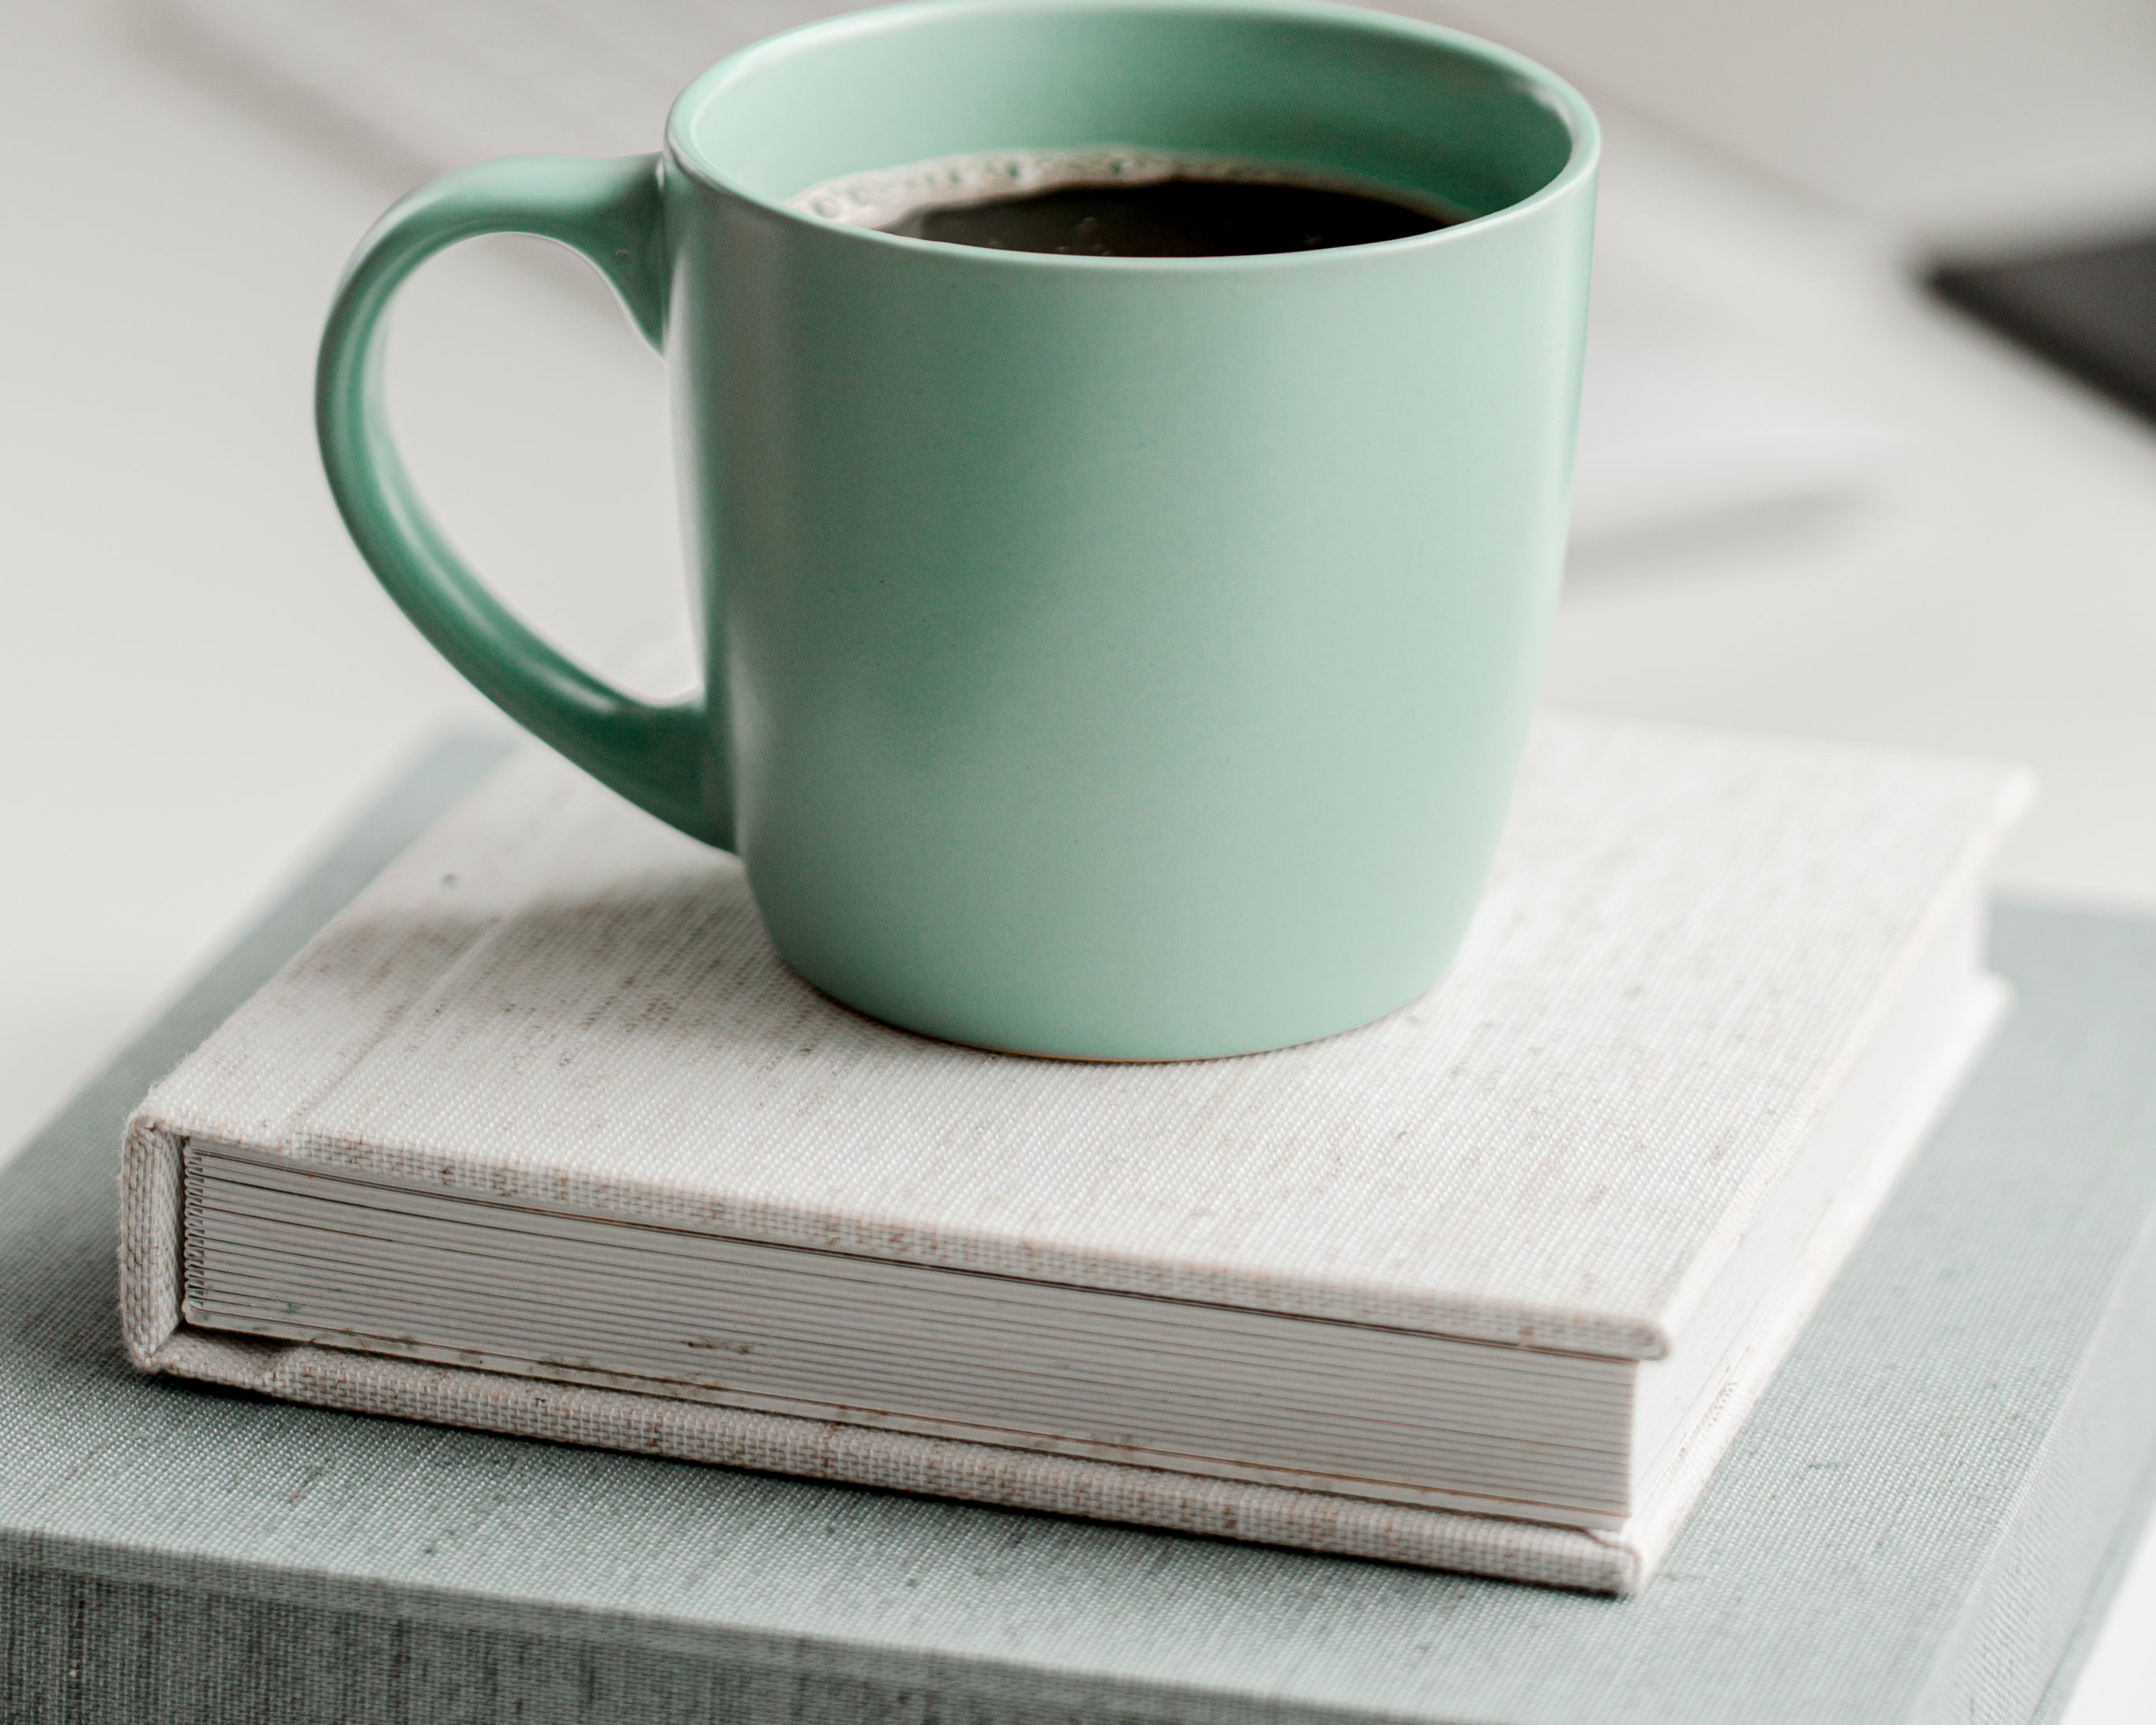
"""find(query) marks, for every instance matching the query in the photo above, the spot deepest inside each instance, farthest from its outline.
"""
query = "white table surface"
(198, 681)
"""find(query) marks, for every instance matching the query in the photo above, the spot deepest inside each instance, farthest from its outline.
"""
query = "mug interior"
(1323, 90)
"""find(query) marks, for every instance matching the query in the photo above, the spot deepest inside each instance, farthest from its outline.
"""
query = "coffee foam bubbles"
(879, 197)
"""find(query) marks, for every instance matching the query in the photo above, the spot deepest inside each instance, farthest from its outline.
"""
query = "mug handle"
(660, 757)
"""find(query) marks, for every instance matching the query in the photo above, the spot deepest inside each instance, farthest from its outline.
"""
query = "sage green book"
(1921, 1521)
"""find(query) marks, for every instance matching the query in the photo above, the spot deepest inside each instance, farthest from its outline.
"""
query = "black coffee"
(1180, 217)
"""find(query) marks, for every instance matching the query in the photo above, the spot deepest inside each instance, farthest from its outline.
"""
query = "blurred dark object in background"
(2090, 310)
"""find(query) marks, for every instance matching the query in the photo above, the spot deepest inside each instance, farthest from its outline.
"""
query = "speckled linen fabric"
(553, 1000)
(1921, 1523)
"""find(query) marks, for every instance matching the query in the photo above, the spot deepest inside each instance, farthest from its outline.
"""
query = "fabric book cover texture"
(1922, 1524)
(1716, 989)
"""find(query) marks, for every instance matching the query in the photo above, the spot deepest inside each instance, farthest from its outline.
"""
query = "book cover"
(1617, 1133)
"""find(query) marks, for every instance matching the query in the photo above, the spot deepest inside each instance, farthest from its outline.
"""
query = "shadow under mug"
(1122, 659)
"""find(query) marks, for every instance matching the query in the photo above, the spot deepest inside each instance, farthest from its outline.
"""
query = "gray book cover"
(541, 1136)
(1925, 1513)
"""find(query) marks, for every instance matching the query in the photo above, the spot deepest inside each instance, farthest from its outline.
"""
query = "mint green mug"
(1121, 659)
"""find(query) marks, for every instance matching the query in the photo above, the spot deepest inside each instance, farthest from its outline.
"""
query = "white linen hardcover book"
(539, 1136)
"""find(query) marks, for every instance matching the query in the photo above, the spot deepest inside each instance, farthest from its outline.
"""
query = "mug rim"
(680, 152)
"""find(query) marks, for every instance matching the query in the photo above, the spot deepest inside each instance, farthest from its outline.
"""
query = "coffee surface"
(1182, 217)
